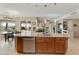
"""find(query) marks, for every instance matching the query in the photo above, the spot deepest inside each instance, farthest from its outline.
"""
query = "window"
(11, 24)
(3, 24)
(7, 25)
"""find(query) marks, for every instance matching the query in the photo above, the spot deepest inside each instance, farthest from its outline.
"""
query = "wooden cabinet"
(41, 47)
(44, 45)
(56, 45)
(19, 44)
(51, 45)
(60, 45)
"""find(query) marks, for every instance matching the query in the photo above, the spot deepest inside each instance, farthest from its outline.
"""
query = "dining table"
(7, 34)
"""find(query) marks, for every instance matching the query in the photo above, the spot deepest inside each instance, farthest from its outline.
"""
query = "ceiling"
(54, 10)
(73, 17)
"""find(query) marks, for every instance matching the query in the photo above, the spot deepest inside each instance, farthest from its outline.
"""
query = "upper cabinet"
(28, 25)
(44, 25)
(62, 26)
(59, 27)
(65, 26)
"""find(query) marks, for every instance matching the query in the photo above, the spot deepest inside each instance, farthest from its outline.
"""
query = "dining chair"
(10, 35)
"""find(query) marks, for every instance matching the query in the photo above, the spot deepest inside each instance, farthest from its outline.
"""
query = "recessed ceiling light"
(27, 3)
(54, 3)
(45, 5)
(36, 5)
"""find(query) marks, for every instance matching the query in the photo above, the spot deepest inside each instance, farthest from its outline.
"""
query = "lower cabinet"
(61, 45)
(51, 45)
(19, 44)
(41, 47)
(44, 45)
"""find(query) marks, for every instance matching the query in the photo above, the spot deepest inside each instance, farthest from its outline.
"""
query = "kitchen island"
(41, 43)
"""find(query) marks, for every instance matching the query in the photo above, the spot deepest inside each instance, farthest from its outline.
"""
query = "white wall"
(70, 28)
(73, 31)
(76, 29)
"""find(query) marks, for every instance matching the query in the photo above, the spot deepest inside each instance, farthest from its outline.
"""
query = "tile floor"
(8, 48)
(73, 46)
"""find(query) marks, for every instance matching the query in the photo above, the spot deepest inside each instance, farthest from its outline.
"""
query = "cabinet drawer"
(60, 39)
(42, 39)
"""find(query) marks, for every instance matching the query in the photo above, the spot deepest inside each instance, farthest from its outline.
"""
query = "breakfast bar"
(41, 43)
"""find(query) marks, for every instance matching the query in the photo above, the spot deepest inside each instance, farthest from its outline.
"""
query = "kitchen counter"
(40, 35)
(41, 43)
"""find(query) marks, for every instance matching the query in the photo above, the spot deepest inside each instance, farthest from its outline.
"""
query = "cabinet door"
(51, 46)
(19, 44)
(60, 45)
(41, 45)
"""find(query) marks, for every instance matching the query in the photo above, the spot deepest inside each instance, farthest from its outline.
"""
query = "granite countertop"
(40, 35)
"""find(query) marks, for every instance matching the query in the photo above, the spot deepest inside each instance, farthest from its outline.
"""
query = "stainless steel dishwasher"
(29, 45)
